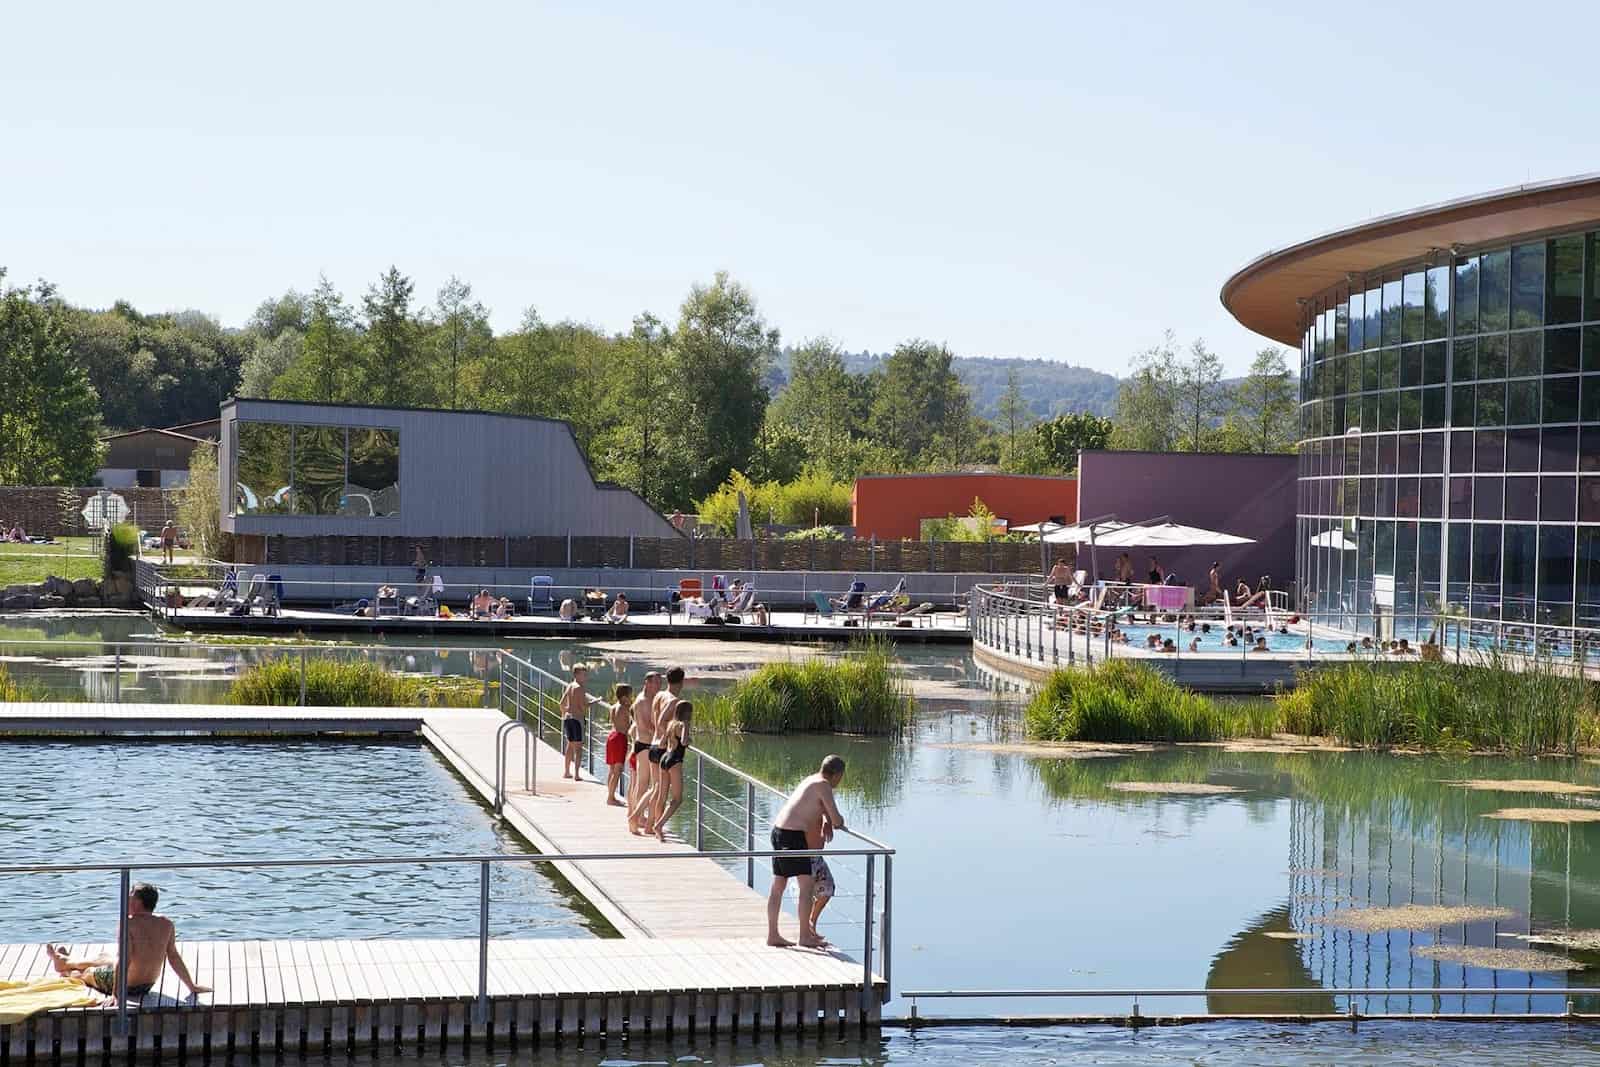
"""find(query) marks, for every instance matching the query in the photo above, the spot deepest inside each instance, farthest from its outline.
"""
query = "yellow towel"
(18, 1000)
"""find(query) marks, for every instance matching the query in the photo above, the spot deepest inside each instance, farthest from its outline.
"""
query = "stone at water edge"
(52, 601)
(85, 587)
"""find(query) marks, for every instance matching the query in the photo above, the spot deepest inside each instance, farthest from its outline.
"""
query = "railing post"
(302, 677)
(116, 677)
(750, 833)
(480, 1010)
(884, 944)
(124, 889)
(699, 801)
(588, 737)
(866, 941)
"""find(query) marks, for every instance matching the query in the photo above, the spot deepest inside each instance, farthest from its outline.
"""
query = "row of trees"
(672, 409)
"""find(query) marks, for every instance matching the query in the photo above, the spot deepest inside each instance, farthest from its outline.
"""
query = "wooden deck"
(324, 995)
(692, 952)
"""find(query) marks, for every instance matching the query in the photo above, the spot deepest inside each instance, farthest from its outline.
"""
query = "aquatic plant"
(1123, 700)
(348, 684)
(13, 689)
(122, 548)
(860, 693)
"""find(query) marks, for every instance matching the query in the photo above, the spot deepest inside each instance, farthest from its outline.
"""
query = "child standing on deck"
(617, 741)
(574, 703)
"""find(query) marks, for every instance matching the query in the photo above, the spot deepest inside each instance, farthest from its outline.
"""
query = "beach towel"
(18, 1000)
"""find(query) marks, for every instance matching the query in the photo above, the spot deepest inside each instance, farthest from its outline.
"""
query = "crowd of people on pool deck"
(1067, 590)
(655, 724)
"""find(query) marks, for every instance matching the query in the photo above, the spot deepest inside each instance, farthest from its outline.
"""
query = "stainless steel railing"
(125, 869)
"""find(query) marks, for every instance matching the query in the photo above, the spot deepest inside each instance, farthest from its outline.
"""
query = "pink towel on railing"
(1166, 597)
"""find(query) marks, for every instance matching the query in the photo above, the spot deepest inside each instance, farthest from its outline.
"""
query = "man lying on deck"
(152, 943)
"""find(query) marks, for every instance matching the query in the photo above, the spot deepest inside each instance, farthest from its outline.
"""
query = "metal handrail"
(124, 869)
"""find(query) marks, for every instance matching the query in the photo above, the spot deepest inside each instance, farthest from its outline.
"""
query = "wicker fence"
(46, 511)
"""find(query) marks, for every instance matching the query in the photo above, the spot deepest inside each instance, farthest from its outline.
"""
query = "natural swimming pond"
(91, 802)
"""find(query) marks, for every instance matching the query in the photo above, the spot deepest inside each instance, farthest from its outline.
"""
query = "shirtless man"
(643, 729)
(807, 806)
(152, 943)
(574, 707)
(621, 713)
(666, 705)
(1060, 581)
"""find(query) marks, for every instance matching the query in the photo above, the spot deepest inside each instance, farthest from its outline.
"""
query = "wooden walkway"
(692, 954)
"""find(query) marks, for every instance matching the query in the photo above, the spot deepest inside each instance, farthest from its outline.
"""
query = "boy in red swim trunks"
(617, 741)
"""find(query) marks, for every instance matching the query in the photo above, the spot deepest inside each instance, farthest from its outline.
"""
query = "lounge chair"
(747, 596)
(855, 599)
(436, 595)
(821, 607)
(228, 595)
(386, 601)
(541, 593)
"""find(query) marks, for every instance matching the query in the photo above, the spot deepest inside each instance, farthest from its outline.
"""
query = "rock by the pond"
(18, 602)
(85, 587)
(50, 600)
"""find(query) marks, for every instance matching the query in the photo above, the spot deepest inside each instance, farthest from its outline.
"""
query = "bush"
(347, 684)
(1124, 700)
(13, 690)
(122, 548)
(815, 533)
(813, 497)
(859, 694)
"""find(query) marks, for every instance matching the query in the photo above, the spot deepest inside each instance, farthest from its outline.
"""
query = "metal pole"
(588, 736)
(750, 833)
(888, 908)
(116, 678)
(302, 677)
(699, 801)
(866, 941)
(480, 1011)
(124, 889)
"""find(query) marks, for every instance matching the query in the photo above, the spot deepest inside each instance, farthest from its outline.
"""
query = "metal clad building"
(304, 470)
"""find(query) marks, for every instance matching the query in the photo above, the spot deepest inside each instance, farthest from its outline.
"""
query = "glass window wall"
(304, 469)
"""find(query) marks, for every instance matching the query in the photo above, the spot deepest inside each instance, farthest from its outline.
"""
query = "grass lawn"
(71, 557)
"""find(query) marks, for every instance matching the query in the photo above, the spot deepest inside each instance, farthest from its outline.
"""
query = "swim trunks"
(789, 866)
(573, 729)
(616, 747)
(821, 877)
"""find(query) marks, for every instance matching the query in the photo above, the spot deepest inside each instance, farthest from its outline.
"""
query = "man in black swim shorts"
(809, 804)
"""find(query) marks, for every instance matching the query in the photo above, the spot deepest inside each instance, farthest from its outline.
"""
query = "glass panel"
(1488, 497)
(1520, 560)
(1561, 399)
(1591, 289)
(1555, 575)
(1412, 327)
(1431, 498)
(262, 470)
(1357, 326)
(1388, 464)
(1460, 451)
(1433, 407)
(1527, 285)
(1405, 497)
(1486, 572)
(1522, 499)
(1458, 560)
(1433, 452)
(1341, 328)
(1388, 368)
(1591, 348)
(1588, 576)
(1463, 360)
(1372, 331)
(1438, 302)
(1558, 499)
(1492, 357)
(1489, 451)
(1388, 411)
(1410, 453)
(1369, 369)
(1460, 498)
(1410, 409)
(1589, 499)
(1494, 291)
(1564, 302)
(1561, 351)
(1589, 398)
(318, 469)
(374, 473)
(1462, 408)
(1522, 450)
(1466, 301)
(1589, 453)
(1558, 449)
(1522, 401)
(1433, 363)
(1491, 404)
(1391, 311)
(1405, 572)
(1525, 354)
(1411, 366)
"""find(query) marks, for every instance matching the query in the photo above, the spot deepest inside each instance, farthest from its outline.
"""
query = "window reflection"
(261, 470)
(308, 469)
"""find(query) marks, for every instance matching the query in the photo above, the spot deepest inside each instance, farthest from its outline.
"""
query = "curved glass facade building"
(1449, 454)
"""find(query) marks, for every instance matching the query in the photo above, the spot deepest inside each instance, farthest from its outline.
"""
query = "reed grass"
(1122, 700)
(13, 689)
(861, 693)
(348, 684)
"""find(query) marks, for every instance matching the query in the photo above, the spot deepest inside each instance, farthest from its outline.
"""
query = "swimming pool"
(1294, 641)
(98, 802)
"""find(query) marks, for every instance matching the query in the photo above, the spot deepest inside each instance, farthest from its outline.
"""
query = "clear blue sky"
(1057, 180)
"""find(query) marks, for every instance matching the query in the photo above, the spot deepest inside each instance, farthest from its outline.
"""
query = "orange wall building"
(891, 507)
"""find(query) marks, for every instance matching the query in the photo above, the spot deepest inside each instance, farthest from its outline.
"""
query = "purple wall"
(1244, 494)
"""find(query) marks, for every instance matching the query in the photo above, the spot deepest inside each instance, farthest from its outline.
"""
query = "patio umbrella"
(742, 528)
(1036, 527)
(1167, 535)
(1333, 539)
(1096, 531)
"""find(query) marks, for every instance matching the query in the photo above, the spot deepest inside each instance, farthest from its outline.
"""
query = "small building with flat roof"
(149, 458)
(892, 507)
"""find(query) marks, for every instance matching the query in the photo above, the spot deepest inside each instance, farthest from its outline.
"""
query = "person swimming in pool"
(152, 944)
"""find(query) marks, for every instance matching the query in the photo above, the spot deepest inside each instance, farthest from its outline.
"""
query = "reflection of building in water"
(1434, 847)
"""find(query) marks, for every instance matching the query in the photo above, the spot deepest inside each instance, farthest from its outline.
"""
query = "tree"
(1063, 437)
(1147, 401)
(459, 334)
(1013, 418)
(291, 311)
(820, 404)
(50, 422)
(921, 408)
(721, 351)
(270, 359)
(200, 505)
(1264, 403)
(391, 368)
(633, 447)
(1200, 397)
(323, 372)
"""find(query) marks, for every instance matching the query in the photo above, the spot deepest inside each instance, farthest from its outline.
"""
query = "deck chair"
(747, 596)
(228, 594)
(386, 605)
(921, 615)
(689, 589)
(856, 598)
(821, 607)
(255, 597)
(541, 593)
(435, 595)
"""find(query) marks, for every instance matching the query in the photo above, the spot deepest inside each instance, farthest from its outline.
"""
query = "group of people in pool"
(1234, 635)
(655, 724)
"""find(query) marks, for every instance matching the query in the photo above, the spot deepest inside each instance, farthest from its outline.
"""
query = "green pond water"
(1021, 870)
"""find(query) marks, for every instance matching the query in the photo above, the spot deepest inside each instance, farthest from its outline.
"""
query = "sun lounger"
(821, 607)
